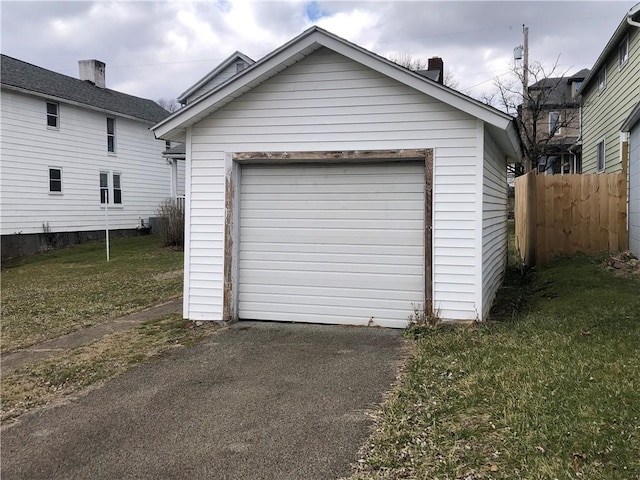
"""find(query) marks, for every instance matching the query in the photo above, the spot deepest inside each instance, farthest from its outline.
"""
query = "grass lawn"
(49, 295)
(549, 390)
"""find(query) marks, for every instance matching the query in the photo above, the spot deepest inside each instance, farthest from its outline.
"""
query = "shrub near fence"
(565, 214)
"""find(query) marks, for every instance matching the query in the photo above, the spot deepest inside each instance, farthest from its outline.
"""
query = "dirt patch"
(623, 264)
(167, 275)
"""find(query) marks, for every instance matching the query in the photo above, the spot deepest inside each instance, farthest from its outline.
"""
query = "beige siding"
(79, 148)
(604, 112)
(327, 102)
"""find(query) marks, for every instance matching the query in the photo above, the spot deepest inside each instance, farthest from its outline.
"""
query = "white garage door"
(341, 244)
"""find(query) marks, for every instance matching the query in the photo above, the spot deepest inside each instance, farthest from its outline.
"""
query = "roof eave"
(225, 64)
(297, 49)
(612, 44)
(77, 104)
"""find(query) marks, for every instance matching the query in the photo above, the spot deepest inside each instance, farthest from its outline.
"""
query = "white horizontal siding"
(494, 222)
(326, 102)
(79, 148)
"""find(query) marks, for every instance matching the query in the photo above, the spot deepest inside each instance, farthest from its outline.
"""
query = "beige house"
(609, 94)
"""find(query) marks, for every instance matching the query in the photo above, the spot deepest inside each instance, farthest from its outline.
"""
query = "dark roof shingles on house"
(560, 87)
(22, 75)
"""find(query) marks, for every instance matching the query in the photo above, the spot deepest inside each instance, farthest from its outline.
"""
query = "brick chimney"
(94, 71)
(436, 64)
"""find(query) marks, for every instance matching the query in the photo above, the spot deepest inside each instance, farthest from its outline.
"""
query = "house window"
(55, 180)
(600, 155)
(104, 187)
(602, 79)
(117, 189)
(52, 114)
(554, 123)
(111, 134)
(623, 52)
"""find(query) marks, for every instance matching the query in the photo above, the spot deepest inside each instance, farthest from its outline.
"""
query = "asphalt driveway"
(255, 401)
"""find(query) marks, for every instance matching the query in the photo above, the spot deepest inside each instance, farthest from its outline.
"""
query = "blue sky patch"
(313, 11)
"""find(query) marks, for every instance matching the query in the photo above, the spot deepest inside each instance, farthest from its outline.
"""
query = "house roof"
(230, 60)
(175, 151)
(612, 46)
(632, 119)
(500, 124)
(560, 87)
(22, 76)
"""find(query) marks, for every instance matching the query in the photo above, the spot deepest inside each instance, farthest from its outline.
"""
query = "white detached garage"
(326, 184)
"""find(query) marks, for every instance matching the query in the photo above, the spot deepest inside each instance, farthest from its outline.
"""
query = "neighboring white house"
(327, 184)
(229, 67)
(70, 147)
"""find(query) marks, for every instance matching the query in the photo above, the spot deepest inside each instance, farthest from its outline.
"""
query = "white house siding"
(180, 177)
(494, 222)
(79, 148)
(634, 190)
(328, 102)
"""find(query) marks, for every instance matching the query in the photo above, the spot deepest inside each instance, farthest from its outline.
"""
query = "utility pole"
(525, 62)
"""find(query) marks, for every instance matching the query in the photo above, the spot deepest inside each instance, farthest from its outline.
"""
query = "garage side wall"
(634, 190)
(327, 102)
(494, 222)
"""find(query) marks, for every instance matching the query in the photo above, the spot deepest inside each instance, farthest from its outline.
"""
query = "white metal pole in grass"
(106, 217)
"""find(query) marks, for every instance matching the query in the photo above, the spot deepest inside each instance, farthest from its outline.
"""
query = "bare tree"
(547, 114)
(170, 105)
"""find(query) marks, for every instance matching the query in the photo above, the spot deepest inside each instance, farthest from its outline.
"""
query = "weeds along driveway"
(255, 401)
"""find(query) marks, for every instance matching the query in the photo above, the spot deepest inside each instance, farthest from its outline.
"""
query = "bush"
(171, 224)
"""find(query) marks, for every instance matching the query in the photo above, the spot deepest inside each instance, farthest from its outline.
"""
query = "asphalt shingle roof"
(560, 87)
(23, 75)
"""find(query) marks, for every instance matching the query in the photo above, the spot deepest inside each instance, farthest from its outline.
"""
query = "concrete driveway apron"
(255, 401)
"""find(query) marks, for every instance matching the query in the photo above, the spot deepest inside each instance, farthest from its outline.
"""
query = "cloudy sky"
(157, 49)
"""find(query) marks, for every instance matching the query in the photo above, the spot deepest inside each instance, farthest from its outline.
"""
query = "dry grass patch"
(548, 390)
(50, 295)
(54, 379)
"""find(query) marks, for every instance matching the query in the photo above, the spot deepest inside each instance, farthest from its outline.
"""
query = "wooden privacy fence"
(564, 214)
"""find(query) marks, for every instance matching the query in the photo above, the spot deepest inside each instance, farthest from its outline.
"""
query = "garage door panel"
(331, 243)
(335, 236)
(340, 248)
(329, 267)
(389, 292)
(287, 256)
(293, 224)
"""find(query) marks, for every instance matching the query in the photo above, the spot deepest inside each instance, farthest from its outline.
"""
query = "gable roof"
(560, 94)
(612, 46)
(174, 127)
(25, 77)
(230, 60)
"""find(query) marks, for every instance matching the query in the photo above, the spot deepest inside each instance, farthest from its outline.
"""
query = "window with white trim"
(111, 135)
(623, 52)
(104, 187)
(53, 115)
(110, 192)
(554, 123)
(600, 156)
(117, 189)
(602, 79)
(55, 180)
